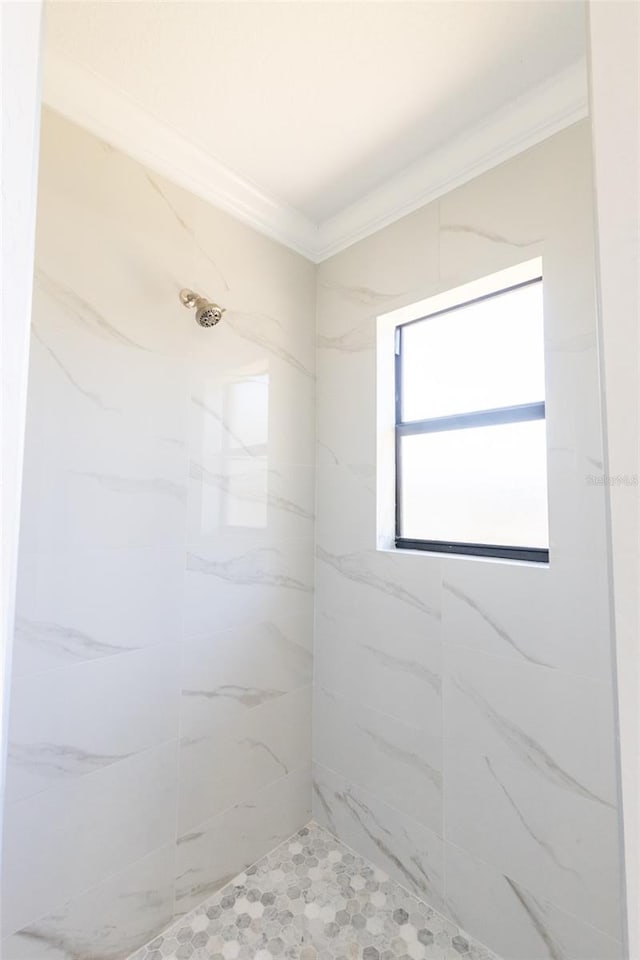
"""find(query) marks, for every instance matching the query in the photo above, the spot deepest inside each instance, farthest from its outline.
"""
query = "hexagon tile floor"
(312, 898)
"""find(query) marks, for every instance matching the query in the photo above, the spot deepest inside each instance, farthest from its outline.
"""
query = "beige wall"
(463, 721)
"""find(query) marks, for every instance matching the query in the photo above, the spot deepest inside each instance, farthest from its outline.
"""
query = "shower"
(207, 314)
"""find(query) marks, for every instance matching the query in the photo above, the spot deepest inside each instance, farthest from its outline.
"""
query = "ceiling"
(316, 121)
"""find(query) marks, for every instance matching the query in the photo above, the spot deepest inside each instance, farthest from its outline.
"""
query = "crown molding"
(110, 114)
(92, 103)
(521, 124)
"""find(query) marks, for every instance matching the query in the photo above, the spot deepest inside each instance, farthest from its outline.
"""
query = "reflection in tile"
(250, 496)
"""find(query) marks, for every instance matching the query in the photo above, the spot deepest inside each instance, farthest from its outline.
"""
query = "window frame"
(517, 413)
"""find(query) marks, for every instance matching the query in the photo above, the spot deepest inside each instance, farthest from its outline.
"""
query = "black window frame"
(518, 413)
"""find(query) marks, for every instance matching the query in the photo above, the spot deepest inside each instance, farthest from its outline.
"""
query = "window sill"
(473, 558)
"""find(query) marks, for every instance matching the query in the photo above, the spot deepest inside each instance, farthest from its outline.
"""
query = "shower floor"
(313, 898)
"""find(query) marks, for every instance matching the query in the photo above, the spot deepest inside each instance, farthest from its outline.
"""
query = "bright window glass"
(484, 485)
(482, 355)
(470, 425)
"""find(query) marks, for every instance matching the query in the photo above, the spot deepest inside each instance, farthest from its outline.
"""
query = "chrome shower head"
(207, 314)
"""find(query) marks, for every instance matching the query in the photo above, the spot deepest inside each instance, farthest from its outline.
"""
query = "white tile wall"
(59, 725)
(360, 743)
(520, 924)
(64, 841)
(162, 663)
(531, 746)
(139, 901)
(221, 847)
(507, 667)
(410, 852)
(161, 709)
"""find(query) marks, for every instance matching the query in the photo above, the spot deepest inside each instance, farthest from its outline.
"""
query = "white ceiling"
(311, 108)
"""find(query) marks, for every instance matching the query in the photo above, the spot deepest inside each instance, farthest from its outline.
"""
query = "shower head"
(207, 314)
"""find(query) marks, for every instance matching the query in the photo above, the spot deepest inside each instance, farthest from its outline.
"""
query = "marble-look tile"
(346, 369)
(216, 850)
(346, 397)
(129, 499)
(545, 806)
(466, 239)
(88, 604)
(313, 897)
(396, 672)
(235, 759)
(93, 316)
(491, 222)
(265, 280)
(126, 389)
(77, 350)
(252, 340)
(229, 673)
(234, 580)
(383, 271)
(408, 851)
(577, 529)
(369, 278)
(398, 592)
(230, 419)
(63, 724)
(242, 383)
(516, 612)
(250, 414)
(573, 419)
(107, 922)
(577, 507)
(518, 924)
(68, 839)
(346, 498)
(105, 449)
(250, 495)
(83, 182)
(146, 432)
(401, 765)
(531, 642)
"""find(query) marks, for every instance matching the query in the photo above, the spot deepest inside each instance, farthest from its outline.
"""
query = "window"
(470, 428)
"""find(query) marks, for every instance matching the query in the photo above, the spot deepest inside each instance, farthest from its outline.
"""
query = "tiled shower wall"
(160, 724)
(160, 707)
(464, 732)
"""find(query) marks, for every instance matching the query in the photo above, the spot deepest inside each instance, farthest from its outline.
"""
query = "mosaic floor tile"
(312, 898)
